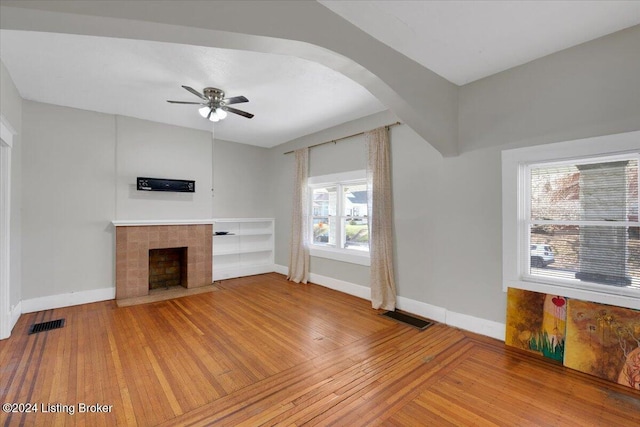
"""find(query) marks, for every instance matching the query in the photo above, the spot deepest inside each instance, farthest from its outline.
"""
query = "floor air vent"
(408, 319)
(46, 326)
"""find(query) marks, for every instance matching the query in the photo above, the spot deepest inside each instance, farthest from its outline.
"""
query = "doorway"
(6, 142)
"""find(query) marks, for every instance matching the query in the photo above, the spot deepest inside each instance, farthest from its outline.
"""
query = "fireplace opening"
(167, 268)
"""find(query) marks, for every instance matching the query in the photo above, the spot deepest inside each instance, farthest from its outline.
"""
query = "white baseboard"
(423, 309)
(474, 324)
(281, 269)
(16, 311)
(67, 300)
(12, 318)
(233, 272)
(439, 314)
(328, 282)
(359, 291)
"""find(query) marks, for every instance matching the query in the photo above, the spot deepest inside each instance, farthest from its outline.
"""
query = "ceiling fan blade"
(195, 92)
(210, 113)
(187, 102)
(235, 100)
(239, 112)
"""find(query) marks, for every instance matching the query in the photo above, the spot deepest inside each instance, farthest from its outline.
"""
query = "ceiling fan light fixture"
(221, 113)
(215, 107)
(204, 111)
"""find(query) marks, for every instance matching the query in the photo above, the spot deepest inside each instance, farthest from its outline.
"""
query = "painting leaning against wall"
(536, 322)
(593, 338)
(604, 341)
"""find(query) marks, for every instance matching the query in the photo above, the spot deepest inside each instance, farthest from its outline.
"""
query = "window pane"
(356, 234)
(355, 200)
(324, 201)
(606, 191)
(323, 231)
(605, 255)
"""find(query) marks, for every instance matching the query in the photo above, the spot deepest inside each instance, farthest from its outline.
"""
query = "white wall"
(11, 109)
(68, 200)
(157, 150)
(241, 181)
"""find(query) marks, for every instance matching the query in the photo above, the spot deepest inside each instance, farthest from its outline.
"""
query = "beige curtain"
(383, 286)
(299, 244)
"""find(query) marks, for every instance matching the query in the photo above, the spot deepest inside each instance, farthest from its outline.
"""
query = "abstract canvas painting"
(604, 341)
(536, 322)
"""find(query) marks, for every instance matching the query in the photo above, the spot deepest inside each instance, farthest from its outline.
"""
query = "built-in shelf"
(248, 249)
(264, 233)
(241, 251)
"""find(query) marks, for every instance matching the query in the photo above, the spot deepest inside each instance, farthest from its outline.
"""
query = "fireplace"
(167, 268)
(136, 244)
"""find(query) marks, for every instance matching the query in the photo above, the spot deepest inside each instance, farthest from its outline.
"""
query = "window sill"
(341, 255)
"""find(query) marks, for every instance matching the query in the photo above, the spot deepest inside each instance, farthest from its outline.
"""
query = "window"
(570, 225)
(339, 227)
(581, 221)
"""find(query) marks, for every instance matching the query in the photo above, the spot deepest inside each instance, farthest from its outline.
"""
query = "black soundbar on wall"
(161, 184)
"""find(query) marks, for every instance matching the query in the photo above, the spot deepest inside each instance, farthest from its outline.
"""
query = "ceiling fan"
(214, 105)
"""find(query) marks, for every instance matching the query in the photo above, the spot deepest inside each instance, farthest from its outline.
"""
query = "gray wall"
(447, 210)
(11, 109)
(468, 237)
(418, 172)
(588, 90)
(241, 181)
(157, 150)
(10, 101)
(69, 200)
(79, 168)
(326, 159)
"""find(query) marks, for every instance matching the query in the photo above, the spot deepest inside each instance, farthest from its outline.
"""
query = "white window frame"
(336, 253)
(516, 164)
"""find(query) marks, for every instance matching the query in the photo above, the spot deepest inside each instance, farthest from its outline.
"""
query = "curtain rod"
(344, 137)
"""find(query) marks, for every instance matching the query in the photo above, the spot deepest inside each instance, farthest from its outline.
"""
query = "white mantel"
(143, 222)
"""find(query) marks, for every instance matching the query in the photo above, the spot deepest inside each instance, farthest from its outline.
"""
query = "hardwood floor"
(264, 351)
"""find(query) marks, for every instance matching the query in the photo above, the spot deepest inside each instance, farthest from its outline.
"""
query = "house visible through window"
(339, 214)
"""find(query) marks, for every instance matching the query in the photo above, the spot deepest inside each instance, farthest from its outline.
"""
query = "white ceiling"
(293, 97)
(464, 41)
(290, 97)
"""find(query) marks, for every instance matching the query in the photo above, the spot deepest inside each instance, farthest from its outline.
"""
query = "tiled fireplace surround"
(132, 254)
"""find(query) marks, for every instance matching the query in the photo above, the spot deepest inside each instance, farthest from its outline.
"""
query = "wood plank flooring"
(264, 351)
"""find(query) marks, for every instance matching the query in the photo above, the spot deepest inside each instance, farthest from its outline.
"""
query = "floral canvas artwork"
(604, 341)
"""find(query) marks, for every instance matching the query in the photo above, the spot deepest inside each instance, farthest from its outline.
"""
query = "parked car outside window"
(541, 255)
